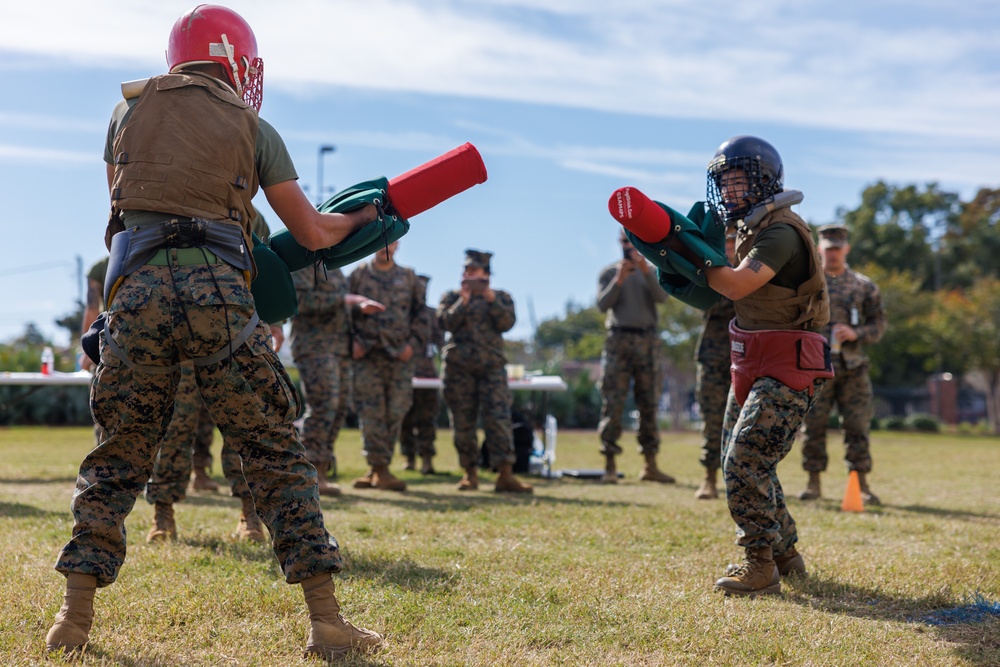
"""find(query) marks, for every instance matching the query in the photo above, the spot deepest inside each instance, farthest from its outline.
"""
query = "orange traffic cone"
(852, 495)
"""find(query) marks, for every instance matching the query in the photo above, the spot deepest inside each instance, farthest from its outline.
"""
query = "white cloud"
(901, 67)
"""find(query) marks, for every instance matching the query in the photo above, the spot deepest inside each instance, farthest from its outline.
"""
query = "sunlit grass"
(578, 574)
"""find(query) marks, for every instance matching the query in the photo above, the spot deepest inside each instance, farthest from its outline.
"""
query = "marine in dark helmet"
(779, 361)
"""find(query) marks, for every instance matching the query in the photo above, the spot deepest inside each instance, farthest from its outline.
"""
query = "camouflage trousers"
(466, 391)
(156, 319)
(851, 390)
(712, 389)
(383, 393)
(755, 439)
(630, 359)
(419, 432)
(326, 385)
(204, 435)
(179, 447)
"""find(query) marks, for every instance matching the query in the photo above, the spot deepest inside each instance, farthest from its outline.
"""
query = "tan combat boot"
(201, 481)
(249, 528)
(470, 481)
(610, 470)
(789, 563)
(330, 635)
(650, 473)
(757, 575)
(411, 463)
(708, 490)
(325, 487)
(813, 490)
(364, 482)
(867, 497)
(507, 483)
(383, 479)
(164, 527)
(427, 465)
(71, 629)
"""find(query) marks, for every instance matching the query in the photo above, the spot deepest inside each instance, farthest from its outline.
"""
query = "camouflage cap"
(478, 258)
(834, 236)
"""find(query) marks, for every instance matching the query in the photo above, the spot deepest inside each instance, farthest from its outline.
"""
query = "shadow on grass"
(427, 501)
(403, 573)
(977, 643)
(942, 512)
(832, 505)
(20, 511)
(40, 480)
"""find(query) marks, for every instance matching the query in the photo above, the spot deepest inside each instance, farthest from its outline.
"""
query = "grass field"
(579, 574)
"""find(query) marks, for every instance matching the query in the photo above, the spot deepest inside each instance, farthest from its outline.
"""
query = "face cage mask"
(251, 87)
(741, 201)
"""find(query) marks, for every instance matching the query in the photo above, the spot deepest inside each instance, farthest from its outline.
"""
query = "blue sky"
(567, 100)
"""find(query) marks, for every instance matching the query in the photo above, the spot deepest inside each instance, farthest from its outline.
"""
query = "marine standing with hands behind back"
(628, 292)
(712, 382)
(384, 346)
(856, 319)
(190, 152)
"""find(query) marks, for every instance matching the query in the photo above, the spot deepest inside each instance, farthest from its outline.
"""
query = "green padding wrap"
(273, 290)
(684, 290)
(695, 243)
(360, 243)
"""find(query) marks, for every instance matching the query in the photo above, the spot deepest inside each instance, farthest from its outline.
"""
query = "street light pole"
(323, 150)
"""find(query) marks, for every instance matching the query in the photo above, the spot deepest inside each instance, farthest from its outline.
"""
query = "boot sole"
(769, 590)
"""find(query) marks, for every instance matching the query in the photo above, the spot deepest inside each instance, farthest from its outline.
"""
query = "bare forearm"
(735, 284)
(312, 229)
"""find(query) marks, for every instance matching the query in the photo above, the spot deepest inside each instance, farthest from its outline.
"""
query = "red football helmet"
(214, 34)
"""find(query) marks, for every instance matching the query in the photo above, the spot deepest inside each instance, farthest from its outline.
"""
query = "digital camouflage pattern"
(186, 444)
(755, 439)
(473, 375)
(713, 378)
(854, 300)
(320, 340)
(419, 431)
(630, 359)
(383, 384)
(158, 320)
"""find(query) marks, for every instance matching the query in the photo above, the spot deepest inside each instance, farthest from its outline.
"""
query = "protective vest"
(188, 149)
(776, 307)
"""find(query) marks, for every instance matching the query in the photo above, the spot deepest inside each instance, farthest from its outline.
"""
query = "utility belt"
(175, 242)
(195, 238)
(642, 331)
(794, 358)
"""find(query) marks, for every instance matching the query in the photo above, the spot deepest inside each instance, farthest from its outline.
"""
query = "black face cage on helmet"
(761, 185)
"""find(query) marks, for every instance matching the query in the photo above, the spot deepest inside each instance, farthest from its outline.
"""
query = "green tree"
(967, 323)
(908, 351)
(897, 228)
(972, 241)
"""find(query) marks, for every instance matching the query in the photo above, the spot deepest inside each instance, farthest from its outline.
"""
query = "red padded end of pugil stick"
(432, 182)
(640, 215)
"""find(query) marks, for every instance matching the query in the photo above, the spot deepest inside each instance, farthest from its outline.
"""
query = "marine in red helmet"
(185, 158)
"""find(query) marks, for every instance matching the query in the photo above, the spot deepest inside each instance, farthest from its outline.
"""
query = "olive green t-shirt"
(782, 249)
